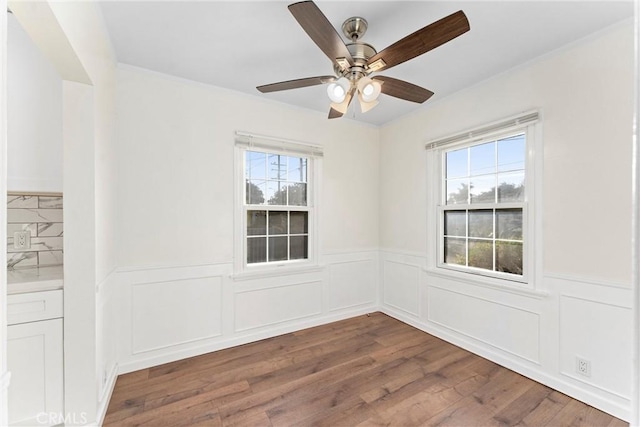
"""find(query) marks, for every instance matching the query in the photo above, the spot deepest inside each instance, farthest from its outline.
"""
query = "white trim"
(5, 380)
(529, 124)
(519, 121)
(588, 281)
(134, 269)
(487, 282)
(635, 226)
(249, 141)
(276, 271)
(110, 275)
(5, 376)
(404, 252)
(245, 142)
(106, 393)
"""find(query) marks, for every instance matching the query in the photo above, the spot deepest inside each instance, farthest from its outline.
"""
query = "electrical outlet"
(583, 366)
(22, 240)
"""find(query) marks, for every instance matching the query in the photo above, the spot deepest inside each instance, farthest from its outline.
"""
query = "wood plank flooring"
(365, 371)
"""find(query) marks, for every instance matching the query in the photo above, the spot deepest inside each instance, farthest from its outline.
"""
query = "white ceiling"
(240, 44)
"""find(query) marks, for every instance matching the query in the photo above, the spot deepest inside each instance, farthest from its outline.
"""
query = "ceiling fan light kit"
(337, 90)
(369, 89)
(353, 63)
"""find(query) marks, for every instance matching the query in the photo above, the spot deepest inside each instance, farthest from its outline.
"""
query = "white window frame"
(529, 124)
(259, 143)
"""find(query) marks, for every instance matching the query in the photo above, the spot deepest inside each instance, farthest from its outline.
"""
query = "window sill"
(275, 271)
(517, 288)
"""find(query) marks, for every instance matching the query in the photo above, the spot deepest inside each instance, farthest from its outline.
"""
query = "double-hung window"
(483, 217)
(277, 203)
(277, 211)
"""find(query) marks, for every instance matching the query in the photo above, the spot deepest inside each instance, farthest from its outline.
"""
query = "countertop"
(35, 279)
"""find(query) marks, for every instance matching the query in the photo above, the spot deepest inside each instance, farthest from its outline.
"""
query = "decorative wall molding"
(107, 281)
(352, 284)
(260, 308)
(609, 403)
(394, 295)
(5, 380)
(551, 360)
(248, 310)
(159, 305)
(586, 331)
(588, 280)
(307, 298)
(526, 322)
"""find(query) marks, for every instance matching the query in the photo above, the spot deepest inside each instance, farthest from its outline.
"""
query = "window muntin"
(277, 208)
(483, 208)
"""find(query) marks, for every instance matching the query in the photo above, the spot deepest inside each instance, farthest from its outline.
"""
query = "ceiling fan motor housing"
(355, 27)
(360, 52)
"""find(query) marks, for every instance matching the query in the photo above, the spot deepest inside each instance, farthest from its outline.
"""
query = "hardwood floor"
(365, 371)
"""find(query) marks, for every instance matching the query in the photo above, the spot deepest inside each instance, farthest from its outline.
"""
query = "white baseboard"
(107, 391)
(170, 355)
(529, 370)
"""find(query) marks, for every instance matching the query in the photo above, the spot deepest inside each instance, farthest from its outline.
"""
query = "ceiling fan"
(355, 61)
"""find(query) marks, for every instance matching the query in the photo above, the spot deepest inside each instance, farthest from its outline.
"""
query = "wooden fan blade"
(422, 41)
(334, 114)
(403, 90)
(318, 27)
(295, 84)
(340, 110)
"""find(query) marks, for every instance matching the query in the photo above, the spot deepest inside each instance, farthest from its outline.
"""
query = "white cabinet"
(35, 358)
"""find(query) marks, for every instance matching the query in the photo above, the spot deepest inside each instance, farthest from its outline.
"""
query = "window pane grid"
(483, 247)
(483, 205)
(273, 242)
(275, 179)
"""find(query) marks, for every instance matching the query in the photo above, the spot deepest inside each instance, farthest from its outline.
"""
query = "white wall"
(90, 178)
(4, 375)
(34, 115)
(72, 35)
(176, 218)
(582, 305)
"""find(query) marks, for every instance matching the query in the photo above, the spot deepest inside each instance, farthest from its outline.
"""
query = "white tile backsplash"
(22, 259)
(42, 216)
(32, 228)
(50, 229)
(34, 215)
(50, 202)
(22, 202)
(50, 258)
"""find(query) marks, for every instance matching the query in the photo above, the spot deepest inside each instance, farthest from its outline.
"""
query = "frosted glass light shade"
(337, 90)
(366, 106)
(369, 89)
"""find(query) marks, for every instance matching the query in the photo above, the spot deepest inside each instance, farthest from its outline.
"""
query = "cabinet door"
(34, 358)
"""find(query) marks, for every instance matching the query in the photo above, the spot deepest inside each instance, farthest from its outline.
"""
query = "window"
(483, 208)
(276, 199)
(277, 225)
(482, 202)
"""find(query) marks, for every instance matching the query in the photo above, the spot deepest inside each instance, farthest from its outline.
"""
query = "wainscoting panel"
(167, 314)
(402, 286)
(591, 330)
(108, 314)
(269, 306)
(351, 284)
(507, 328)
